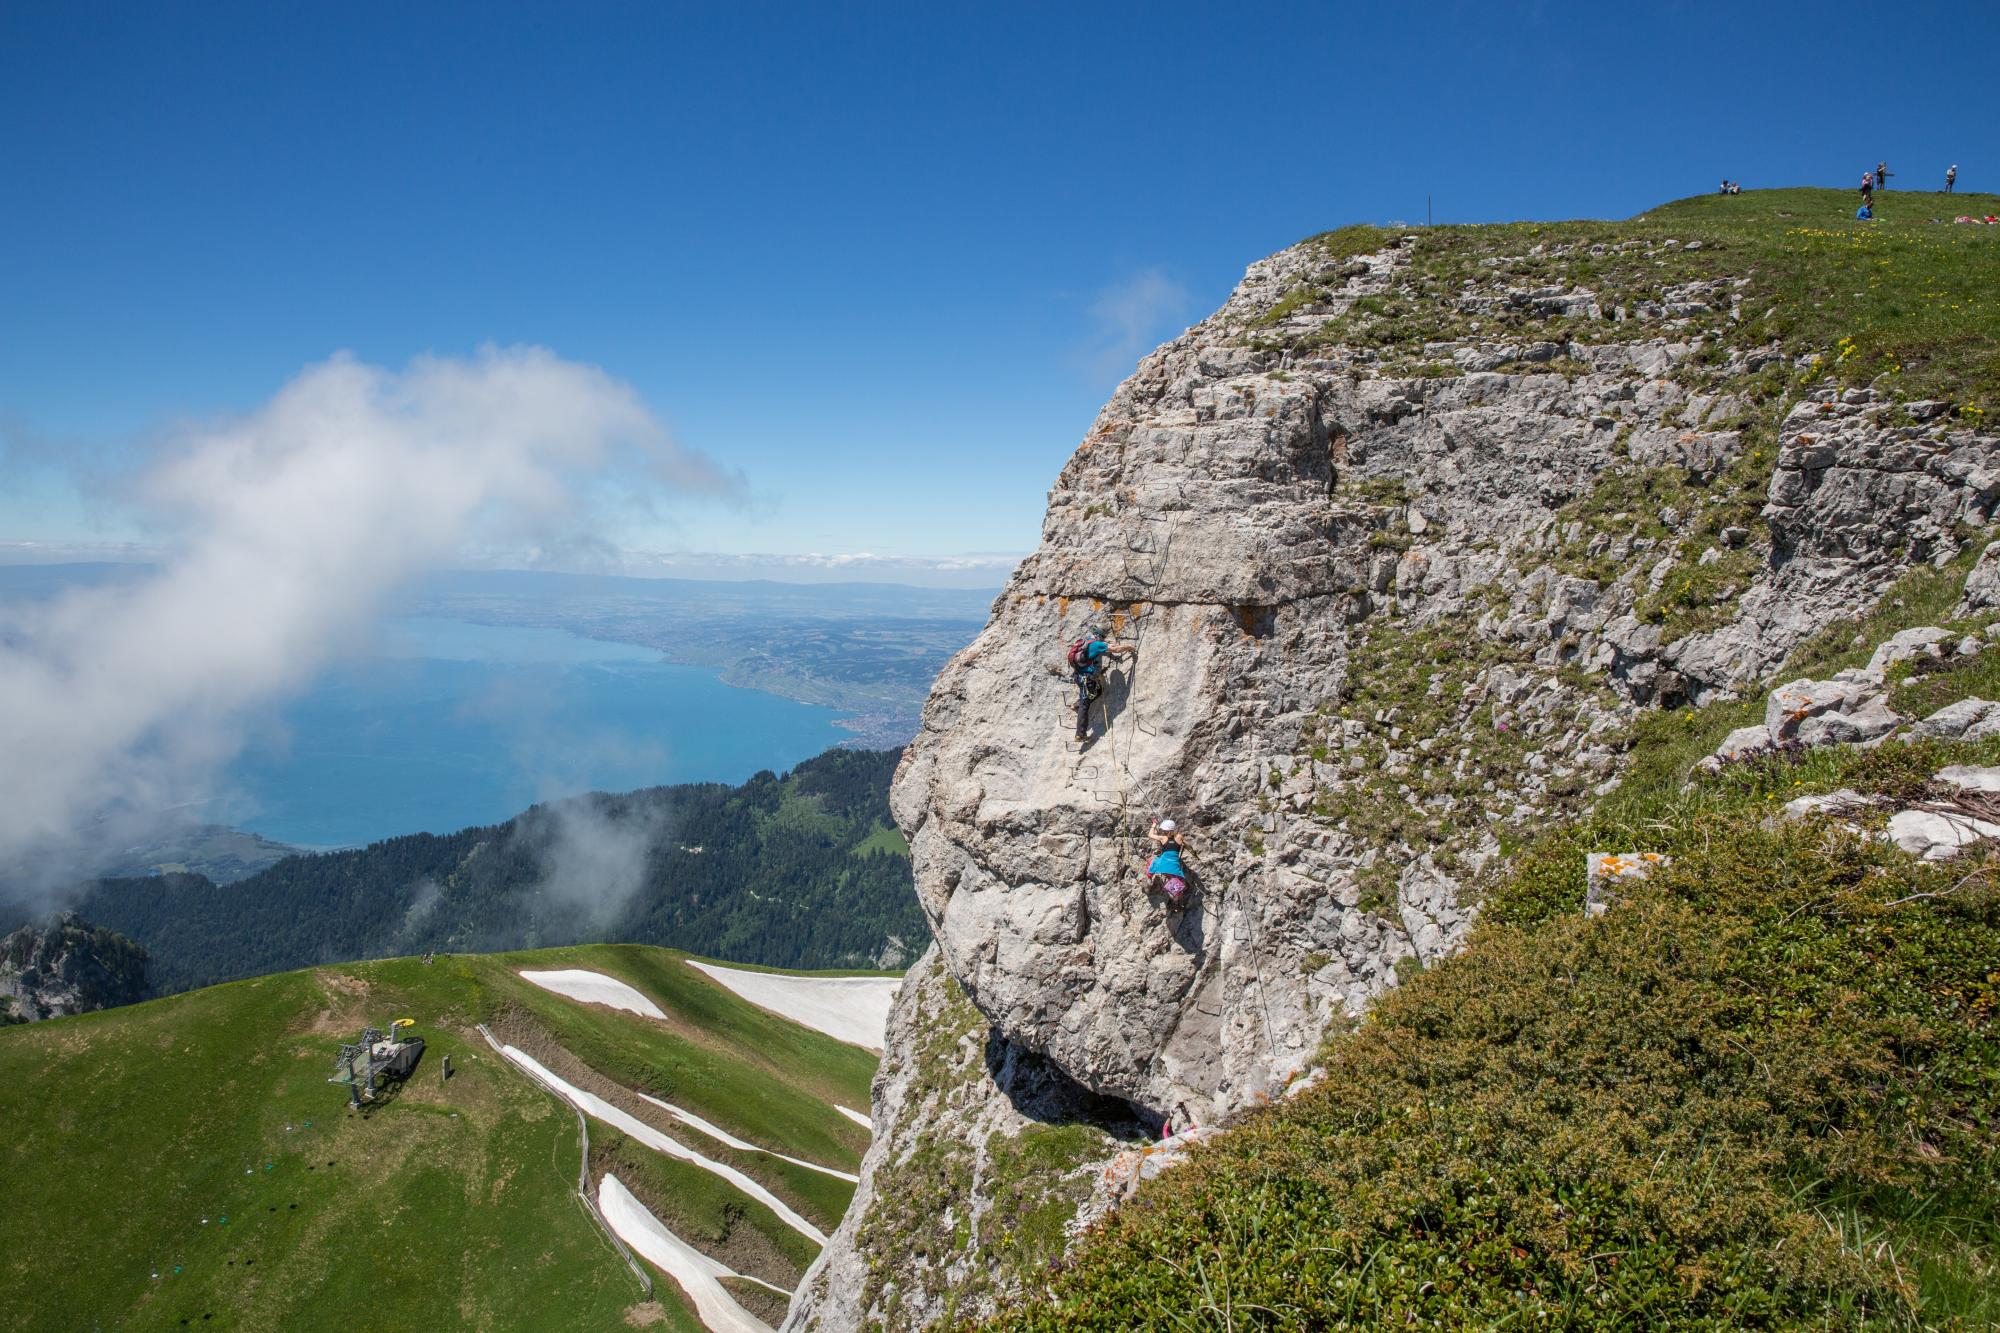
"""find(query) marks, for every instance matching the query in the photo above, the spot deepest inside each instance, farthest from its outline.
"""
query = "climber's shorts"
(1172, 885)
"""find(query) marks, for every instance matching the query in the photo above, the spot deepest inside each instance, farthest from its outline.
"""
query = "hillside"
(799, 870)
(185, 1162)
(1447, 554)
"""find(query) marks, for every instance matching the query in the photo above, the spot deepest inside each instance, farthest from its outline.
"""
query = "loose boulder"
(1935, 835)
(1982, 585)
(1966, 720)
(1829, 712)
(1926, 641)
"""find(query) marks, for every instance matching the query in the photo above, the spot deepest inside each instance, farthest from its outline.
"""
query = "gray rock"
(1608, 875)
(1925, 642)
(1982, 584)
(1244, 513)
(1970, 777)
(1935, 836)
(1842, 802)
(1966, 720)
(1828, 712)
(1742, 743)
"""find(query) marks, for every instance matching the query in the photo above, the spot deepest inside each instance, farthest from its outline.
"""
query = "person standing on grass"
(1867, 187)
(1950, 177)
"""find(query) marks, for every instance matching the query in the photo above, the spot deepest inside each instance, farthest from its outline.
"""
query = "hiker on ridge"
(1166, 871)
(1086, 665)
(1950, 177)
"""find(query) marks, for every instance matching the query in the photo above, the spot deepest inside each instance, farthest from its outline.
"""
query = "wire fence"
(583, 1174)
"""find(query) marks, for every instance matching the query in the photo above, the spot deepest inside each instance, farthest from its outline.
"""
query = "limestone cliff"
(1407, 535)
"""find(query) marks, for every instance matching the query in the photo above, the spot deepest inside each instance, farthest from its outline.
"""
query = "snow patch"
(627, 1123)
(724, 1137)
(595, 988)
(856, 1117)
(698, 1275)
(849, 1009)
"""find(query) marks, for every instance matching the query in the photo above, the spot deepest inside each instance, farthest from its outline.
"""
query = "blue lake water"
(450, 724)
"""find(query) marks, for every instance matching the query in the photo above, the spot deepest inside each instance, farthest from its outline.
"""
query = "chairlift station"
(376, 1061)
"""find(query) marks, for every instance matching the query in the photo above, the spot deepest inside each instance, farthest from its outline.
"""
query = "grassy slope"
(452, 1203)
(1763, 1093)
(1914, 298)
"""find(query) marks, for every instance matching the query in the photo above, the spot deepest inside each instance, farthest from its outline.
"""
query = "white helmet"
(1166, 826)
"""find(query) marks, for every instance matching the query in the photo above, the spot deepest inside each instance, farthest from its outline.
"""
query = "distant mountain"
(868, 649)
(212, 851)
(799, 870)
(65, 965)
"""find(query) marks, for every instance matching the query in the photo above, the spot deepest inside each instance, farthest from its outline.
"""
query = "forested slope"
(796, 870)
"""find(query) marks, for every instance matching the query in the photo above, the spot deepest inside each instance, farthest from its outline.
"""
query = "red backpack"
(1079, 655)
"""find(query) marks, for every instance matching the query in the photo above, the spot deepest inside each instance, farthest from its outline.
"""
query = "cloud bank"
(282, 533)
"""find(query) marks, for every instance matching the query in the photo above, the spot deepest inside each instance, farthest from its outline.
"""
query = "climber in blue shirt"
(1168, 874)
(1086, 664)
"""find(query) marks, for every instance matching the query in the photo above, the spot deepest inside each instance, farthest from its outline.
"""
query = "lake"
(449, 724)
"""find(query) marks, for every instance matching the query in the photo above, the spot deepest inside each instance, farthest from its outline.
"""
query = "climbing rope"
(1256, 944)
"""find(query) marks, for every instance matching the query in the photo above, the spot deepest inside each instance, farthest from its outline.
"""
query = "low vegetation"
(1909, 295)
(935, 1246)
(1762, 1092)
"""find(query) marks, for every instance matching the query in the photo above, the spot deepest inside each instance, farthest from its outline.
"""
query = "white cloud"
(594, 854)
(1130, 318)
(280, 534)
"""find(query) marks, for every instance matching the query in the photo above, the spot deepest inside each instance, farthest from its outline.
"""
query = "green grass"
(1914, 294)
(1905, 296)
(886, 839)
(756, 1075)
(450, 1205)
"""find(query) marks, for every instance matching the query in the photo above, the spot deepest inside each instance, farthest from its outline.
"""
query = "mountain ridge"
(784, 870)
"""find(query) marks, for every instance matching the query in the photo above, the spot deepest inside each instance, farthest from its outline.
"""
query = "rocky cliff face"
(1406, 540)
(67, 966)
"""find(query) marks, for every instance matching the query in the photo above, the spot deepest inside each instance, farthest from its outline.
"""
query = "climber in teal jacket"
(1167, 872)
(1087, 660)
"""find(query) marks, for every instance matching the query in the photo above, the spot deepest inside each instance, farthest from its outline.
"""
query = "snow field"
(849, 1009)
(595, 988)
(856, 1117)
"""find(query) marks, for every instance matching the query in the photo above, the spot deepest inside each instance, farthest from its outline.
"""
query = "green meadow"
(186, 1163)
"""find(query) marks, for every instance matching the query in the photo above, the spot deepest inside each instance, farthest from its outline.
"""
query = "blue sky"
(885, 259)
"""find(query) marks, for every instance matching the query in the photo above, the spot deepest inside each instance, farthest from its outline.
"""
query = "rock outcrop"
(67, 966)
(1393, 597)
